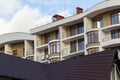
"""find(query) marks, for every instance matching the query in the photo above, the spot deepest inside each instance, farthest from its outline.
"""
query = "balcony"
(111, 27)
(109, 42)
(53, 55)
(68, 52)
(93, 29)
(45, 60)
(92, 44)
(71, 38)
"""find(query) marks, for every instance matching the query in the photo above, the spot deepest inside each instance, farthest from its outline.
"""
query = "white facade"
(96, 21)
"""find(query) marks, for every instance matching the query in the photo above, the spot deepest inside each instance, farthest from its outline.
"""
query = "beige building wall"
(19, 47)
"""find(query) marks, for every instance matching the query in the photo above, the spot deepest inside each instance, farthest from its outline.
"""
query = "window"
(54, 47)
(76, 29)
(73, 30)
(92, 50)
(46, 53)
(73, 47)
(115, 33)
(80, 28)
(80, 44)
(115, 18)
(98, 23)
(57, 34)
(47, 38)
(92, 36)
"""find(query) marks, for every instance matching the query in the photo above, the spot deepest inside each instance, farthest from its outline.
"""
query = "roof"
(91, 67)
(15, 36)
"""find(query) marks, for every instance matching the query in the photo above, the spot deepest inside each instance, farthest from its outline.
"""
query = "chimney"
(79, 10)
(58, 17)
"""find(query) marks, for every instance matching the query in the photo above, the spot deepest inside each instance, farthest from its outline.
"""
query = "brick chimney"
(58, 17)
(79, 10)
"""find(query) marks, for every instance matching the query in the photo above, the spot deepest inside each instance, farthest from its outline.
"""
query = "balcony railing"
(71, 50)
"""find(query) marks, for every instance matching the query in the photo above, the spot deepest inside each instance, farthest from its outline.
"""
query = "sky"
(23, 15)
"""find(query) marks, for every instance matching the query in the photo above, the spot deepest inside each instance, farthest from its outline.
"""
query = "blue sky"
(22, 15)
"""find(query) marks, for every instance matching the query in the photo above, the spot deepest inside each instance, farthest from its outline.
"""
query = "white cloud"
(24, 18)
(8, 7)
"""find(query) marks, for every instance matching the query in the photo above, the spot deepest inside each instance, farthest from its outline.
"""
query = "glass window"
(57, 34)
(73, 47)
(115, 34)
(73, 30)
(54, 47)
(92, 50)
(114, 18)
(101, 23)
(80, 28)
(98, 23)
(92, 36)
(81, 44)
(47, 38)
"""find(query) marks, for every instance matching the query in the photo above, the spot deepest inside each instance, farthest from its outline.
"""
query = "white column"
(101, 36)
(35, 47)
(8, 49)
(60, 38)
(87, 26)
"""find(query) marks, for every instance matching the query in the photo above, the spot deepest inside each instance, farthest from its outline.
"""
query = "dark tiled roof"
(92, 67)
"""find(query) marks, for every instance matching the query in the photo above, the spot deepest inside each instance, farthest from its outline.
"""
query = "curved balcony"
(92, 29)
(109, 42)
(54, 55)
(54, 46)
(89, 45)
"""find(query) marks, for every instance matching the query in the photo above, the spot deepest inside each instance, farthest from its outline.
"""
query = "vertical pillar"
(8, 49)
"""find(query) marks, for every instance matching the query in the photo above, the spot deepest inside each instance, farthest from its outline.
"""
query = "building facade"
(18, 44)
(96, 29)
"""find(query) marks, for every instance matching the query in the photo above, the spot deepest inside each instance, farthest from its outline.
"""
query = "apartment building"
(18, 44)
(87, 32)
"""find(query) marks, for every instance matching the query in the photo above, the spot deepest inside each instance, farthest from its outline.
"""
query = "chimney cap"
(57, 15)
(79, 8)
